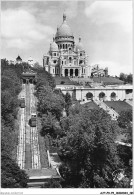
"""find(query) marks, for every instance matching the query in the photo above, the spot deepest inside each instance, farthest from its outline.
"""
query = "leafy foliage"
(125, 118)
(44, 79)
(50, 125)
(88, 150)
(126, 78)
(50, 102)
(125, 122)
(11, 176)
(68, 102)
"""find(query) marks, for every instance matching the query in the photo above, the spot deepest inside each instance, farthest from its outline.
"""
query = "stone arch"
(89, 96)
(76, 72)
(71, 72)
(24, 81)
(30, 81)
(113, 96)
(66, 72)
(70, 59)
(102, 96)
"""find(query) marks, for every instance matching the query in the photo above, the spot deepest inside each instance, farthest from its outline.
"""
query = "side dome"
(53, 46)
(64, 30)
(79, 46)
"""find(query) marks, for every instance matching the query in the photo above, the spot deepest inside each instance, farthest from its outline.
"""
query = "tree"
(88, 150)
(44, 78)
(125, 118)
(11, 175)
(36, 65)
(130, 78)
(126, 78)
(68, 102)
(50, 102)
(123, 77)
(50, 125)
(125, 122)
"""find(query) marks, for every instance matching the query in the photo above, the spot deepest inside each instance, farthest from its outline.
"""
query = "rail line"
(28, 154)
(34, 142)
(21, 145)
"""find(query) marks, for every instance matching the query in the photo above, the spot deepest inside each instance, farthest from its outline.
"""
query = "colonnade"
(72, 72)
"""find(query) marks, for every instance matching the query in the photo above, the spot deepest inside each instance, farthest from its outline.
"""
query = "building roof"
(118, 106)
(18, 58)
(108, 80)
(64, 30)
(91, 105)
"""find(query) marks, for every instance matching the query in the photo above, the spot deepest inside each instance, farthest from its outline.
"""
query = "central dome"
(64, 30)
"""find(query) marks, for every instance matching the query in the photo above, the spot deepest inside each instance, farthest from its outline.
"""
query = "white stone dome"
(53, 46)
(64, 30)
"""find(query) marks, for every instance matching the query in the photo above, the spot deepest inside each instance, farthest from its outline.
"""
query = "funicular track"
(34, 133)
(28, 154)
(22, 132)
(31, 145)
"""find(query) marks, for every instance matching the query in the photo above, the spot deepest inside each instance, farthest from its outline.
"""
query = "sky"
(105, 28)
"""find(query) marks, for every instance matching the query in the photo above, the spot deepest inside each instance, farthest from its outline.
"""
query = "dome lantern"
(64, 17)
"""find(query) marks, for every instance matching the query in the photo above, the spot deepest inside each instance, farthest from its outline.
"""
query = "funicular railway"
(28, 152)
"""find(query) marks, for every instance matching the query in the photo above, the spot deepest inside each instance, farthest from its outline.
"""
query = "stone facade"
(64, 57)
(123, 92)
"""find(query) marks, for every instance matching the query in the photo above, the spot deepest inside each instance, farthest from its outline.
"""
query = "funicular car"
(33, 120)
(22, 102)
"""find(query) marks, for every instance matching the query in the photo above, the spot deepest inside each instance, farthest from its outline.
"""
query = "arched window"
(80, 62)
(66, 72)
(70, 59)
(76, 72)
(113, 94)
(89, 95)
(102, 95)
(63, 46)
